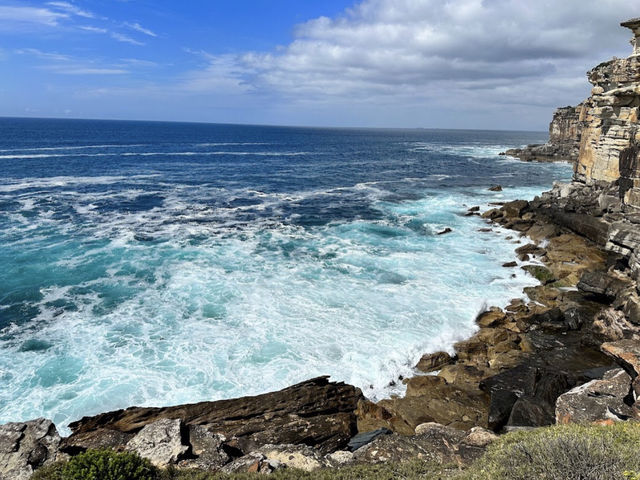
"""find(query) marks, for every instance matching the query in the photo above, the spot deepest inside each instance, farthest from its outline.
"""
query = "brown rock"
(423, 385)
(462, 375)
(530, 249)
(570, 253)
(515, 208)
(316, 412)
(492, 317)
(625, 352)
(492, 214)
(431, 362)
(538, 233)
(444, 403)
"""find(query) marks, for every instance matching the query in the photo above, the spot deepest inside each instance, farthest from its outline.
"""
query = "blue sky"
(397, 63)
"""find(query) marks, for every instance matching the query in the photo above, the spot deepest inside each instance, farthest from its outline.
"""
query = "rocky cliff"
(610, 121)
(565, 131)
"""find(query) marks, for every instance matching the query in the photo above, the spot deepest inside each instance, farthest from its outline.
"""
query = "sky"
(488, 64)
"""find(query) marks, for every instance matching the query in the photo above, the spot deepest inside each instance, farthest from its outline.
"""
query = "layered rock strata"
(565, 132)
(317, 413)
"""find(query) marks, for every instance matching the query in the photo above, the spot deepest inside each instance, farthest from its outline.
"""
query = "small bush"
(414, 470)
(50, 472)
(100, 465)
(572, 452)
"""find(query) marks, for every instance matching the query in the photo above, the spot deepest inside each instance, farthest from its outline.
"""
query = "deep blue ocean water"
(160, 263)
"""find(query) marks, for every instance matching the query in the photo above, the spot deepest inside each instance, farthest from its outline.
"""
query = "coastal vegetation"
(568, 452)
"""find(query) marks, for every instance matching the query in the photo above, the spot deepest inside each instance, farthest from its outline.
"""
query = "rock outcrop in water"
(565, 132)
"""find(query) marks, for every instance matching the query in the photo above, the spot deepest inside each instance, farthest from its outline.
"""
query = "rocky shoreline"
(569, 354)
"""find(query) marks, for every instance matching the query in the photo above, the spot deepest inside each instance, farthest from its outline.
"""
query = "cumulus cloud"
(491, 51)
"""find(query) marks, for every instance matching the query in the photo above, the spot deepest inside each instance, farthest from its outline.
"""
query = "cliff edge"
(565, 132)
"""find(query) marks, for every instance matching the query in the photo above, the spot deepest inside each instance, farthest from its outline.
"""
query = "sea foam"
(147, 280)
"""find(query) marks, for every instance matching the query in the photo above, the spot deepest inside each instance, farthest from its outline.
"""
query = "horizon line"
(322, 127)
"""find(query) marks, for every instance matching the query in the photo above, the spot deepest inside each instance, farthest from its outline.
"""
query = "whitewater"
(164, 263)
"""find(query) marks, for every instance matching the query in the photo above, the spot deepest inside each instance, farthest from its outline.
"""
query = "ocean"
(150, 263)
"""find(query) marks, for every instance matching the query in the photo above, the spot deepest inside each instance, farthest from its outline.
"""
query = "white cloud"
(139, 28)
(121, 37)
(67, 65)
(54, 56)
(485, 51)
(137, 62)
(223, 75)
(71, 9)
(84, 70)
(92, 29)
(15, 17)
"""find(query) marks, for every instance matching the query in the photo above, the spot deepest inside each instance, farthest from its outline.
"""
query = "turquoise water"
(160, 263)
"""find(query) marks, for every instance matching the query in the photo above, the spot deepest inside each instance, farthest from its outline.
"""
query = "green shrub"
(50, 472)
(100, 465)
(571, 452)
(414, 470)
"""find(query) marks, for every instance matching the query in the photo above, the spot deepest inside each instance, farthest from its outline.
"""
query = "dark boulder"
(365, 438)
(596, 401)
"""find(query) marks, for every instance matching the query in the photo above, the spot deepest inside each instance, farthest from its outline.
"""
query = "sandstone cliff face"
(565, 131)
(610, 122)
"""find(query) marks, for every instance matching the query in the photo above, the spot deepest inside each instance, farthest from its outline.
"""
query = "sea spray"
(137, 275)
